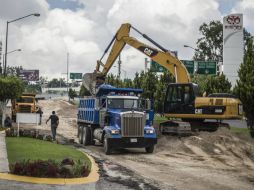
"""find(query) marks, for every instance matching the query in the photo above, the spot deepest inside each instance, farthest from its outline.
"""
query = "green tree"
(245, 84)
(148, 84)
(137, 81)
(161, 88)
(128, 83)
(111, 79)
(13, 71)
(217, 84)
(10, 88)
(210, 45)
(54, 83)
(84, 92)
(72, 93)
(201, 81)
(33, 88)
(212, 84)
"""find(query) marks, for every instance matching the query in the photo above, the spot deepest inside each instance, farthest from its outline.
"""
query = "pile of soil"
(223, 145)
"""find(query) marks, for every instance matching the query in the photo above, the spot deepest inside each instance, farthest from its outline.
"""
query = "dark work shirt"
(54, 119)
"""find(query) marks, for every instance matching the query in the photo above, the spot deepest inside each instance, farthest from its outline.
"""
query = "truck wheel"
(80, 134)
(150, 149)
(86, 136)
(106, 146)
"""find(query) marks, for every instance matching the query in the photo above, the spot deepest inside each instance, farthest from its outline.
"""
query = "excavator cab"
(180, 98)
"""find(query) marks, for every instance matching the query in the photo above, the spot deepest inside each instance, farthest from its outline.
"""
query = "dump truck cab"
(118, 118)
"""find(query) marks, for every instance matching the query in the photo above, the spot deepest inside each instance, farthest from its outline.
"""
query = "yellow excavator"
(182, 99)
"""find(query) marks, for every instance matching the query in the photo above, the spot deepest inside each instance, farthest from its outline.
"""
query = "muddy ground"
(219, 160)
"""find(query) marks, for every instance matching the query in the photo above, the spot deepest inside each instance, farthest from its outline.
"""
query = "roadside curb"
(4, 164)
(92, 178)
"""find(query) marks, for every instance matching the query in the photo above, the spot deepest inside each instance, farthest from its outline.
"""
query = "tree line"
(154, 85)
(209, 47)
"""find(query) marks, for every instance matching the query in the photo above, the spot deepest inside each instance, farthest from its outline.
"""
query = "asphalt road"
(234, 123)
(237, 123)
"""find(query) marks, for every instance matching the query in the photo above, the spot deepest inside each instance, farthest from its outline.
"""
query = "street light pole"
(6, 37)
(6, 43)
(191, 47)
(9, 53)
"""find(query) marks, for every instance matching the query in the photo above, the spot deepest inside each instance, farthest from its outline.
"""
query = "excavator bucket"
(89, 82)
(92, 80)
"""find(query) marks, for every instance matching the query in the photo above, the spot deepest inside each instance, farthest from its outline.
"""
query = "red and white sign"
(233, 21)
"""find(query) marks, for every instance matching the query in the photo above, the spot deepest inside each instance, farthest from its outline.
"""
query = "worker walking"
(39, 111)
(54, 123)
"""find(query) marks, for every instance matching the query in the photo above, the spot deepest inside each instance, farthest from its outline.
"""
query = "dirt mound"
(222, 143)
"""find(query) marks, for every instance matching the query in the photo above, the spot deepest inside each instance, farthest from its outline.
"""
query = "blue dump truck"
(117, 118)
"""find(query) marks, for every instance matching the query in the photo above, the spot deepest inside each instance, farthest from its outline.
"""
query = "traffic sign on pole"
(75, 75)
(155, 67)
(189, 66)
(206, 67)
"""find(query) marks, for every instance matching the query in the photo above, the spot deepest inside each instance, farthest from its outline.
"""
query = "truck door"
(102, 112)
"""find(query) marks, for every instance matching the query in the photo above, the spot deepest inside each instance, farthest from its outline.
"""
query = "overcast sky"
(85, 27)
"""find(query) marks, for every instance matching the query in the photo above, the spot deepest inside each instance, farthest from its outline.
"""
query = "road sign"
(155, 67)
(203, 67)
(189, 66)
(206, 67)
(75, 75)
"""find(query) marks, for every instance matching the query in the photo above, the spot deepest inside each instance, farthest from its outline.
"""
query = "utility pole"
(1, 63)
(119, 67)
(146, 62)
(68, 74)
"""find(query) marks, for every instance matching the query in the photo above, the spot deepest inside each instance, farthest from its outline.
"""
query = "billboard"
(29, 75)
(233, 47)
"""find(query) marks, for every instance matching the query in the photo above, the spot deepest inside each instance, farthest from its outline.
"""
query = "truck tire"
(86, 136)
(80, 134)
(150, 149)
(106, 146)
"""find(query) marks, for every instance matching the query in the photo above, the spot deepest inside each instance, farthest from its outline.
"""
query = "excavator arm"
(122, 37)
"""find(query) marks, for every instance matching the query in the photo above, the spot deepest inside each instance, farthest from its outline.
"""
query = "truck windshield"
(25, 100)
(116, 103)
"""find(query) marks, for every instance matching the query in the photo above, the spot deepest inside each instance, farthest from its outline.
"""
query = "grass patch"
(239, 130)
(22, 148)
(158, 119)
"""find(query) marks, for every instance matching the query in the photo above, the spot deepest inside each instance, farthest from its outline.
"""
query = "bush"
(40, 168)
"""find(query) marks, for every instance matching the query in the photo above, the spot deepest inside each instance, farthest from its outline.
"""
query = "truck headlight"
(149, 131)
(115, 132)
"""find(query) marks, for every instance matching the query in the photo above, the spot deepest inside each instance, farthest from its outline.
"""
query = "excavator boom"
(121, 38)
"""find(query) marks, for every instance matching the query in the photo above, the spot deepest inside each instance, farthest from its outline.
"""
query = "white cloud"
(246, 7)
(85, 33)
